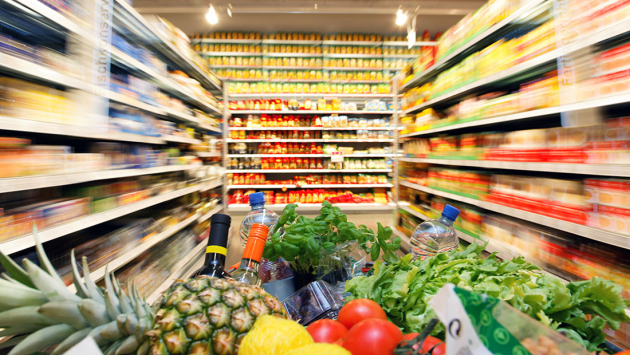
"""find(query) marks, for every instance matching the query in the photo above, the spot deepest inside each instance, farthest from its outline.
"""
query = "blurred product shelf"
(183, 269)
(309, 112)
(296, 95)
(602, 102)
(310, 140)
(574, 228)
(503, 76)
(292, 171)
(143, 29)
(304, 208)
(478, 40)
(178, 139)
(312, 128)
(307, 155)
(42, 181)
(138, 250)
(78, 224)
(618, 170)
(314, 186)
(209, 154)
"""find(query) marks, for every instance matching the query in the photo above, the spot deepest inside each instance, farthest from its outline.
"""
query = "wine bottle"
(248, 271)
(217, 247)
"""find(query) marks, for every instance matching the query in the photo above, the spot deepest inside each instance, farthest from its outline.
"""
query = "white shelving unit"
(43, 181)
(323, 186)
(87, 126)
(315, 207)
(597, 234)
(78, 224)
(295, 171)
(310, 112)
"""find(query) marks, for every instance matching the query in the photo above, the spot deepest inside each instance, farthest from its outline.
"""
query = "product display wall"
(524, 132)
(114, 172)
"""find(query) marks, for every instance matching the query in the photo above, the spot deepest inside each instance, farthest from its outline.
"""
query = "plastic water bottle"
(435, 236)
(258, 214)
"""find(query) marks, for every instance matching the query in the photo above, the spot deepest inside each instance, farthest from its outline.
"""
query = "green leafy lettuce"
(580, 310)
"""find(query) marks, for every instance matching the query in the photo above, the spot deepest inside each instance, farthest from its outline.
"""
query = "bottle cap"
(450, 213)
(256, 198)
(221, 219)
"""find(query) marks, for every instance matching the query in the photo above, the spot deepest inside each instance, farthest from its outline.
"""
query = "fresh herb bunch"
(300, 240)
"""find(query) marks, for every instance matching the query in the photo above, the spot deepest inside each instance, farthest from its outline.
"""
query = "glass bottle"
(248, 271)
(217, 247)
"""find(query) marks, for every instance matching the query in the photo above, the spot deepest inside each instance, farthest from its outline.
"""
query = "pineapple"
(198, 316)
(38, 311)
(207, 315)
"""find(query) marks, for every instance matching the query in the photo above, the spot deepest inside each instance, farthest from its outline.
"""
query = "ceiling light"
(401, 17)
(229, 12)
(211, 16)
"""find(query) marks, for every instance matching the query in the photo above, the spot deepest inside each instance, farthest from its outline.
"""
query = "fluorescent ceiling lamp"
(211, 16)
(401, 17)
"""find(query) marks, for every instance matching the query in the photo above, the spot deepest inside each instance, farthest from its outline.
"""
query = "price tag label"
(336, 157)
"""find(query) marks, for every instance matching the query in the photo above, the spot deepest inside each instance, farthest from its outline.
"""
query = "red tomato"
(326, 331)
(357, 310)
(339, 342)
(373, 337)
(428, 344)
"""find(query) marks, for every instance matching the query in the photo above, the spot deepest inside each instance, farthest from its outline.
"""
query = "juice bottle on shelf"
(435, 236)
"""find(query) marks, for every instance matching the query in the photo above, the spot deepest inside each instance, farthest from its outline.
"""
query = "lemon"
(273, 336)
(319, 349)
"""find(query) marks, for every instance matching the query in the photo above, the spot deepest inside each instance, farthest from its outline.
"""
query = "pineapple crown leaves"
(38, 311)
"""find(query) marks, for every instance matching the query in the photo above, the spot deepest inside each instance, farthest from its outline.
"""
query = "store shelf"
(474, 43)
(237, 41)
(310, 140)
(138, 250)
(231, 54)
(406, 44)
(310, 112)
(236, 67)
(609, 33)
(311, 128)
(141, 27)
(619, 170)
(132, 102)
(162, 81)
(293, 41)
(323, 186)
(55, 17)
(307, 156)
(603, 102)
(352, 43)
(315, 207)
(279, 96)
(42, 181)
(178, 139)
(359, 82)
(207, 127)
(210, 184)
(208, 154)
(292, 55)
(21, 125)
(402, 56)
(282, 67)
(352, 55)
(209, 214)
(78, 224)
(180, 115)
(21, 67)
(295, 171)
(600, 235)
(181, 270)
